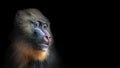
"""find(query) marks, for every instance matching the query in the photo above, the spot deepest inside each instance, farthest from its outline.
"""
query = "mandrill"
(31, 42)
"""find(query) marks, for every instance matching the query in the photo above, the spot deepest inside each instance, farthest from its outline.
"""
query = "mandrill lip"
(43, 47)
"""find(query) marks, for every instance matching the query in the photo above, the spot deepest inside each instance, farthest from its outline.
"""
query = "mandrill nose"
(47, 39)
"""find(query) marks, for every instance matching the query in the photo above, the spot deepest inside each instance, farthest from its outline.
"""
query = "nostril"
(47, 37)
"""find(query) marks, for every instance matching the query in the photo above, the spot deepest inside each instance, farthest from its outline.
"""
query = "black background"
(72, 26)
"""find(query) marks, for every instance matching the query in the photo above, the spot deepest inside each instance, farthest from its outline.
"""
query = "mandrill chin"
(31, 42)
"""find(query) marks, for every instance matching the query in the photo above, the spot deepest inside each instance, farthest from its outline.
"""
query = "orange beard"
(26, 53)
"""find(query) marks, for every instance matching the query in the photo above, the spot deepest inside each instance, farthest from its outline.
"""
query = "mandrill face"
(34, 27)
(41, 34)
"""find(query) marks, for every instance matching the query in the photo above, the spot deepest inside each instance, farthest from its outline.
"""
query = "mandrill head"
(32, 26)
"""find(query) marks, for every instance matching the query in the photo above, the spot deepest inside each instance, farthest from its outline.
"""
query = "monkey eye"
(37, 24)
(45, 25)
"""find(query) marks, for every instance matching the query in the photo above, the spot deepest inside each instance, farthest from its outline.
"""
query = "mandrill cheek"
(43, 35)
(39, 33)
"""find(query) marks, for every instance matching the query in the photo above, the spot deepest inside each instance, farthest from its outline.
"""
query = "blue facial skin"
(39, 32)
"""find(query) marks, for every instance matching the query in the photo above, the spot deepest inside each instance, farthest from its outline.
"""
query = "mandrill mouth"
(43, 47)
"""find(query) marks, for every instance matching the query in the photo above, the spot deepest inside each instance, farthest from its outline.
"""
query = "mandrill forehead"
(28, 15)
(25, 17)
